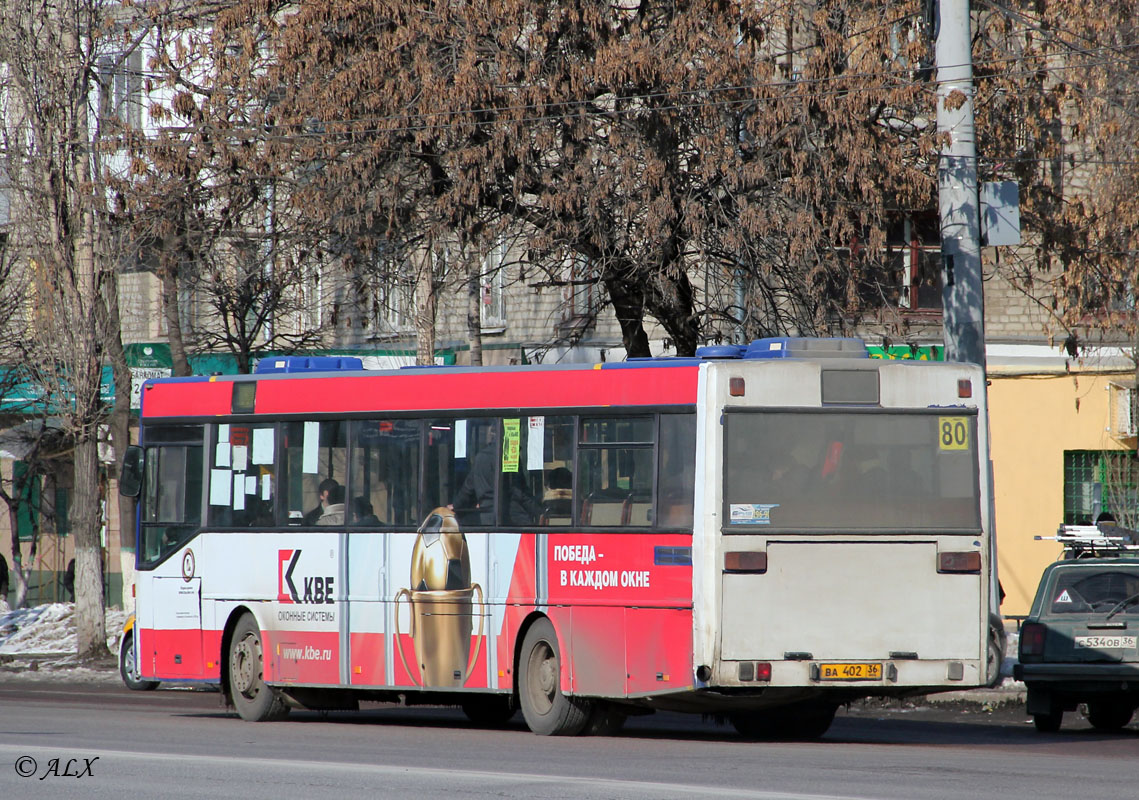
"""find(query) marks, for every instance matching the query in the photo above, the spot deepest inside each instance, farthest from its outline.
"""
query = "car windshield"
(1095, 590)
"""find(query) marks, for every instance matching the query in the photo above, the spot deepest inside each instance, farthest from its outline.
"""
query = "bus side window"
(171, 500)
(385, 473)
(311, 453)
(615, 472)
(677, 470)
(242, 471)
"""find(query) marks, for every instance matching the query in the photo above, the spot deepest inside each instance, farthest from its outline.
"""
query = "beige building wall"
(1033, 419)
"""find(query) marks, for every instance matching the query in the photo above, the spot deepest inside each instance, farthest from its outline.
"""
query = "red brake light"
(745, 561)
(763, 670)
(968, 562)
(1032, 636)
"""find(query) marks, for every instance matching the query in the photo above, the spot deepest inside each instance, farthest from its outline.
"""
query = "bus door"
(851, 535)
(178, 634)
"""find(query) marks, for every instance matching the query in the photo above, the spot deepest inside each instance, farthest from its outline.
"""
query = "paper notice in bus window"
(251, 484)
(223, 433)
(220, 486)
(221, 458)
(309, 458)
(238, 492)
(240, 457)
(460, 438)
(262, 445)
(751, 513)
(536, 443)
(266, 487)
(511, 444)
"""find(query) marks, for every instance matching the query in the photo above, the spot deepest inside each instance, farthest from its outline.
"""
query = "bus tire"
(252, 698)
(489, 711)
(546, 710)
(811, 720)
(1049, 722)
(128, 667)
(606, 719)
(757, 724)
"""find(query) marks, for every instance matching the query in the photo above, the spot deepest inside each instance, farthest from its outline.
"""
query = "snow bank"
(49, 630)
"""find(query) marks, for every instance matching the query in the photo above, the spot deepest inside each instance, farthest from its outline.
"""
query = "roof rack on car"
(1091, 541)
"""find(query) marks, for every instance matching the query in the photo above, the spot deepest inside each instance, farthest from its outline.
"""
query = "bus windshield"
(849, 470)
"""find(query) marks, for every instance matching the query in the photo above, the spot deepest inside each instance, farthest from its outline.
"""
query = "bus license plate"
(850, 672)
(1109, 642)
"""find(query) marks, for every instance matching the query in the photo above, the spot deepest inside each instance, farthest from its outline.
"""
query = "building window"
(908, 276)
(390, 297)
(580, 297)
(1098, 481)
(120, 77)
(492, 284)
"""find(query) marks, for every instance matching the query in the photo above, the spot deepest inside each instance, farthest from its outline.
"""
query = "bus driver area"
(580, 542)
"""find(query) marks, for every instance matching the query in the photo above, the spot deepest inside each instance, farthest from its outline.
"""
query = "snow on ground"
(39, 642)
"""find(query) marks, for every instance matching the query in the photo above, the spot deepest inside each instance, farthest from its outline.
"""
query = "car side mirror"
(130, 481)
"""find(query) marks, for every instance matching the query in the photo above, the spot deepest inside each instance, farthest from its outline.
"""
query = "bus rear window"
(856, 471)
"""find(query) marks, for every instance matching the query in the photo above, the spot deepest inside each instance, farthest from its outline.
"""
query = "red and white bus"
(761, 532)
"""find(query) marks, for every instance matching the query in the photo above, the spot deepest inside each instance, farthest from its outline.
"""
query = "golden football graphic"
(442, 603)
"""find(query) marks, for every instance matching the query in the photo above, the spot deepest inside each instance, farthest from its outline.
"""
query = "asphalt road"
(101, 741)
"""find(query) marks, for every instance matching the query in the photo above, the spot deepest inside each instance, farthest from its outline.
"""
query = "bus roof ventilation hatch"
(716, 351)
(282, 364)
(801, 347)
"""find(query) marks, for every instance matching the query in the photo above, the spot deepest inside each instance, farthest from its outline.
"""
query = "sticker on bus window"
(262, 446)
(511, 444)
(536, 443)
(751, 513)
(953, 433)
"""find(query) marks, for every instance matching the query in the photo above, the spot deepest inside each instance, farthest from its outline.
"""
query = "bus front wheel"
(128, 666)
(546, 710)
(253, 699)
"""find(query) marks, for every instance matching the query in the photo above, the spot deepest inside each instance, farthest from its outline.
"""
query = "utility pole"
(961, 293)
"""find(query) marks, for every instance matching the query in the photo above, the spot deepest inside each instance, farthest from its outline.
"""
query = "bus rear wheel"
(801, 721)
(546, 710)
(254, 700)
(489, 711)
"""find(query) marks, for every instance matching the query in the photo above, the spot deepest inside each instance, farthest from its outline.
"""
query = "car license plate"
(1106, 642)
(850, 672)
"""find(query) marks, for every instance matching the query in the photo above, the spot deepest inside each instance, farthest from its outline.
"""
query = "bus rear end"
(848, 538)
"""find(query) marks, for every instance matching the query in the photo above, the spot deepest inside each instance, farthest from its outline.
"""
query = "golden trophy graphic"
(442, 602)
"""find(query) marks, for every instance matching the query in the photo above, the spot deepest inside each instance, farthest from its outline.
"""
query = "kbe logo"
(317, 590)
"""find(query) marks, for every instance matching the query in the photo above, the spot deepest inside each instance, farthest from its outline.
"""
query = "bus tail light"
(1032, 635)
(755, 671)
(745, 562)
(968, 563)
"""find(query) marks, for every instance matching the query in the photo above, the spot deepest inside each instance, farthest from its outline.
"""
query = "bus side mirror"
(130, 481)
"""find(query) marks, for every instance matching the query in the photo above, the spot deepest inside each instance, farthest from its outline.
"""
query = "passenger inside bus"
(362, 513)
(333, 507)
(474, 504)
(325, 488)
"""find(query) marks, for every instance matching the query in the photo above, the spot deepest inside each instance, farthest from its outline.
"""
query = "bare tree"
(55, 57)
(655, 141)
(1058, 112)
